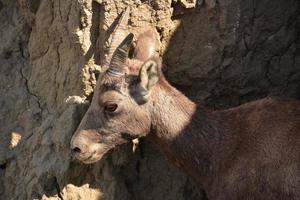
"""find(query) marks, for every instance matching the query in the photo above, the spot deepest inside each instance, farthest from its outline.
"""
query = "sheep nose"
(78, 148)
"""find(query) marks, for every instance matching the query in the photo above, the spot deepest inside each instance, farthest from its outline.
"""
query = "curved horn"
(116, 67)
(119, 33)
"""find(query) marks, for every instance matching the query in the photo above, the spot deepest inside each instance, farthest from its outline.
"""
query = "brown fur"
(247, 152)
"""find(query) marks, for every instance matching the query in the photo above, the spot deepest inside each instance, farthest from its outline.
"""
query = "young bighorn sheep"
(248, 152)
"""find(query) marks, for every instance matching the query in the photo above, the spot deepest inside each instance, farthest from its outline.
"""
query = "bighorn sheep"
(248, 152)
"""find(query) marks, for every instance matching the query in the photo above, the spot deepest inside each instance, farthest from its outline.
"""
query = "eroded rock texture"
(221, 53)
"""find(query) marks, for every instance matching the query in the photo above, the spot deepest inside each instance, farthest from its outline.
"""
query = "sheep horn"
(119, 33)
(119, 57)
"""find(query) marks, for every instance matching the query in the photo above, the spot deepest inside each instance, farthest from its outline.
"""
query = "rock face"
(221, 53)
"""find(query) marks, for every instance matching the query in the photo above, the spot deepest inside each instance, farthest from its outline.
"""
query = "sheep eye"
(110, 108)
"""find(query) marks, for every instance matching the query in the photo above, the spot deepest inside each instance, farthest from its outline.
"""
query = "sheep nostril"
(76, 150)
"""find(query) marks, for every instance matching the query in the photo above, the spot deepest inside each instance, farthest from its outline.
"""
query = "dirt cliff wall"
(218, 52)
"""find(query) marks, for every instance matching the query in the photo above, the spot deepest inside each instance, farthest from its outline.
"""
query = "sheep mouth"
(92, 158)
(88, 158)
(84, 157)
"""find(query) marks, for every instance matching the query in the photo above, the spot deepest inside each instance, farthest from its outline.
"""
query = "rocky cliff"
(218, 52)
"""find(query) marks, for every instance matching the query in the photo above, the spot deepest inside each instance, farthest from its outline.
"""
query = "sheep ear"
(148, 76)
(146, 45)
